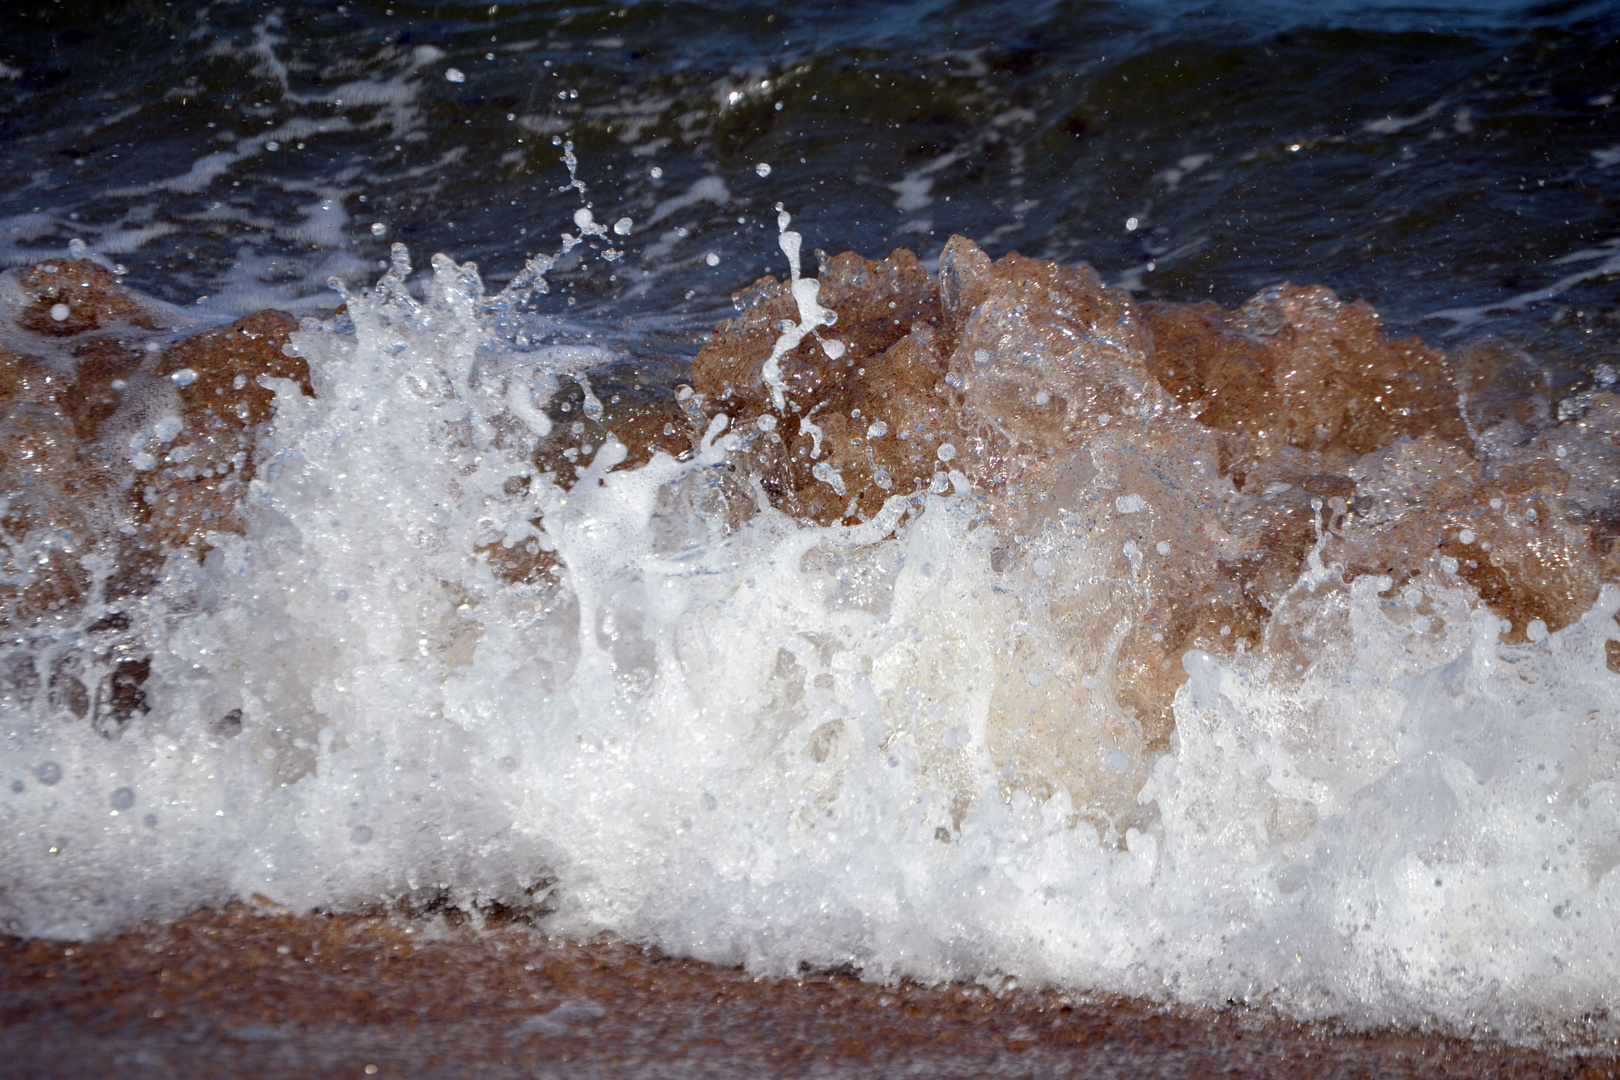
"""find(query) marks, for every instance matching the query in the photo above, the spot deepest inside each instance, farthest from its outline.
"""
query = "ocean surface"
(422, 642)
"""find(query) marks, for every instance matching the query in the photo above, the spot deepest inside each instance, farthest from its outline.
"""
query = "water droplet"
(1466, 536)
(272, 146)
(60, 312)
(656, 173)
(378, 228)
(623, 226)
(945, 452)
(831, 477)
(877, 429)
(712, 259)
(1162, 547)
(763, 169)
(123, 798)
(1042, 397)
(766, 422)
(1131, 224)
(143, 461)
(166, 428)
(184, 377)
(48, 773)
(455, 75)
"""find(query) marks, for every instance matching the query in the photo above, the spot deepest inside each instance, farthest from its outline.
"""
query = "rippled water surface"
(1456, 167)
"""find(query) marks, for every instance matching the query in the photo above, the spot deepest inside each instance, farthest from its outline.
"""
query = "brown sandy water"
(246, 991)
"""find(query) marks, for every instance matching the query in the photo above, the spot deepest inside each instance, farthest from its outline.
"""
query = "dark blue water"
(1427, 159)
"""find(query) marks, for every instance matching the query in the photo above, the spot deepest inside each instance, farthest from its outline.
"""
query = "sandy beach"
(245, 992)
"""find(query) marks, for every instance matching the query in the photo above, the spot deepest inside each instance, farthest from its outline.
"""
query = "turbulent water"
(959, 618)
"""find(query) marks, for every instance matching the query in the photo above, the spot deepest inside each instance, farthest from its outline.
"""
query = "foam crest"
(493, 615)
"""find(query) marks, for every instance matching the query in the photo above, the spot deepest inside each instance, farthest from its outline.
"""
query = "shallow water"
(1035, 678)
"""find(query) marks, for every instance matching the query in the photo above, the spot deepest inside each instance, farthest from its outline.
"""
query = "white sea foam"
(769, 743)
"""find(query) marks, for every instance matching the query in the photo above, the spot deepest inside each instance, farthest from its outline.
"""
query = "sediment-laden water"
(1115, 618)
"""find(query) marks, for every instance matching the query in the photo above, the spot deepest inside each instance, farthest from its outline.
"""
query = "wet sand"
(245, 992)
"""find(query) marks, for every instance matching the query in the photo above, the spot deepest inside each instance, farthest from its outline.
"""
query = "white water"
(774, 746)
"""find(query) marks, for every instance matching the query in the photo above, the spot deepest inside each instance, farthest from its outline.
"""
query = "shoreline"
(239, 991)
